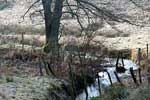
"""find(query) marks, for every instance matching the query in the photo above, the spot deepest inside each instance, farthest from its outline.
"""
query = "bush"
(114, 92)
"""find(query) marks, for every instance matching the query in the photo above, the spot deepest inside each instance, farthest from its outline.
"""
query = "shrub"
(114, 92)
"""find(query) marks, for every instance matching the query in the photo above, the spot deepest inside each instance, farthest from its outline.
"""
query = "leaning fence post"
(109, 77)
(22, 41)
(147, 49)
(118, 79)
(140, 78)
(117, 62)
(50, 69)
(99, 87)
(133, 76)
(122, 59)
(139, 56)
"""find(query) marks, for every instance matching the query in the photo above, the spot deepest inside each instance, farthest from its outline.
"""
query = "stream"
(104, 80)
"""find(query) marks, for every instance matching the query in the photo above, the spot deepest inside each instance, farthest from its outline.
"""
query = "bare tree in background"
(53, 10)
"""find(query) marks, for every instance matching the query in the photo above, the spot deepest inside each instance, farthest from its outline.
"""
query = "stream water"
(104, 80)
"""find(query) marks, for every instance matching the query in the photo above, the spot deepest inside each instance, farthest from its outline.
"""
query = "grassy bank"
(31, 88)
(124, 93)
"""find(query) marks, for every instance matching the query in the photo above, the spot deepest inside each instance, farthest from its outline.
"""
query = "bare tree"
(78, 9)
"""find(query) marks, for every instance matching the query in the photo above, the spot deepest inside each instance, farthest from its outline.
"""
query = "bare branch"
(40, 11)
(78, 18)
(29, 9)
(107, 14)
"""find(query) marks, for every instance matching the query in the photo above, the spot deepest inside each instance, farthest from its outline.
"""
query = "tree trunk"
(52, 22)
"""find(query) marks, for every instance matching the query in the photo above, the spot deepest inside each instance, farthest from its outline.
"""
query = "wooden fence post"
(133, 76)
(109, 77)
(117, 62)
(99, 87)
(139, 56)
(22, 40)
(140, 78)
(118, 79)
(147, 49)
(120, 69)
(50, 69)
(122, 59)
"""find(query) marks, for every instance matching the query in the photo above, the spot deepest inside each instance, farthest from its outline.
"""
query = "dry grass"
(17, 29)
(113, 34)
(141, 93)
